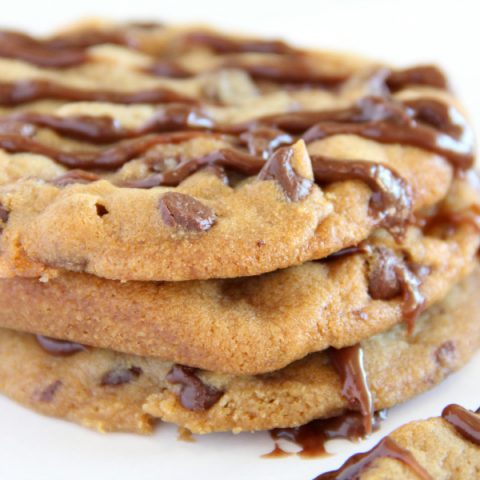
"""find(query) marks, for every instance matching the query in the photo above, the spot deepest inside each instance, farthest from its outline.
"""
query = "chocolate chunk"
(466, 423)
(180, 210)
(348, 362)
(48, 394)
(388, 277)
(194, 394)
(4, 214)
(60, 348)
(383, 282)
(120, 376)
(279, 168)
(358, 464)
(445, 353)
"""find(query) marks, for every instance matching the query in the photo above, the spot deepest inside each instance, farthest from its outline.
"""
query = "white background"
(402, 32)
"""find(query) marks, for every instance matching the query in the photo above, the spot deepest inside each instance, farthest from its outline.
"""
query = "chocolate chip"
(61, 348)
(383, 282)
(180, 210)
(120, 376)
(4, 214)
(279, 168)
(101, 209)
(194, 394)
(48, 394)
(445, 353)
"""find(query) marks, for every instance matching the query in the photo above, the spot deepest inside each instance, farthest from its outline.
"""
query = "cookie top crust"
(154, 153)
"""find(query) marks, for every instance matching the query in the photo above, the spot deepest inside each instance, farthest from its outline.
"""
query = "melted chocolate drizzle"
(194, 394)
(313, 436)
(465, 422)
(60, 348)
(359, 463)
(24, 91)
(348, 362)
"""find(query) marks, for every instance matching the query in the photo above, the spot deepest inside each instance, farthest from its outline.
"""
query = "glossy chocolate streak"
(223, 44)
(23, 47)
(289, 70)
(361, 462)
(464, 421)
(424, 123)
(422, 75)
(61, 348)
(107, 159)
(229, 158)
(391, 203)
(348, 362)
(313, 436)
(25, 91)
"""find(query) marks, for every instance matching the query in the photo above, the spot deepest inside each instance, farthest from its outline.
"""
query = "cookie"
(247, 325)
(438, 448)
(179, 183)
(111, 391)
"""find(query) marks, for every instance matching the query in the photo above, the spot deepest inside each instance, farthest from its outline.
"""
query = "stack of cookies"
(227, 233)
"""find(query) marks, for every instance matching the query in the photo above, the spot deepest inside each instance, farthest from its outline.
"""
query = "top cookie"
(144, 152)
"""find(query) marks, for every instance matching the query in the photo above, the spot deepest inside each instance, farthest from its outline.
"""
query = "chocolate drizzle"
(223, 44)
(421, 75)
(348, 362)
(423, 123)
(361, 462)
(24, 91)
(59, 348)
(313, 436)
(391, 202)
(194, 394)
(465, 422)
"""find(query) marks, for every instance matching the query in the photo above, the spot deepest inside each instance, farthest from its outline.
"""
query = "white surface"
(404, 32)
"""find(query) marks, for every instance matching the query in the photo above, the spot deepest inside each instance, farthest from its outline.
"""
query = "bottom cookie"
(111, 391)
(438, 448)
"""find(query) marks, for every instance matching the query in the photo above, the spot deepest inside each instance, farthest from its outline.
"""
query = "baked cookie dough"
(110, 391)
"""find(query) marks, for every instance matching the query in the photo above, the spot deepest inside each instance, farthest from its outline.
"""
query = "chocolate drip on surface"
(389, 276)
(348, 362)
(168, 68)
(421, 75)
(25, 91)
(194, 394)
(361, 462)
(120, 376)
(313, 436)
(60, 348)
(465, 422)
